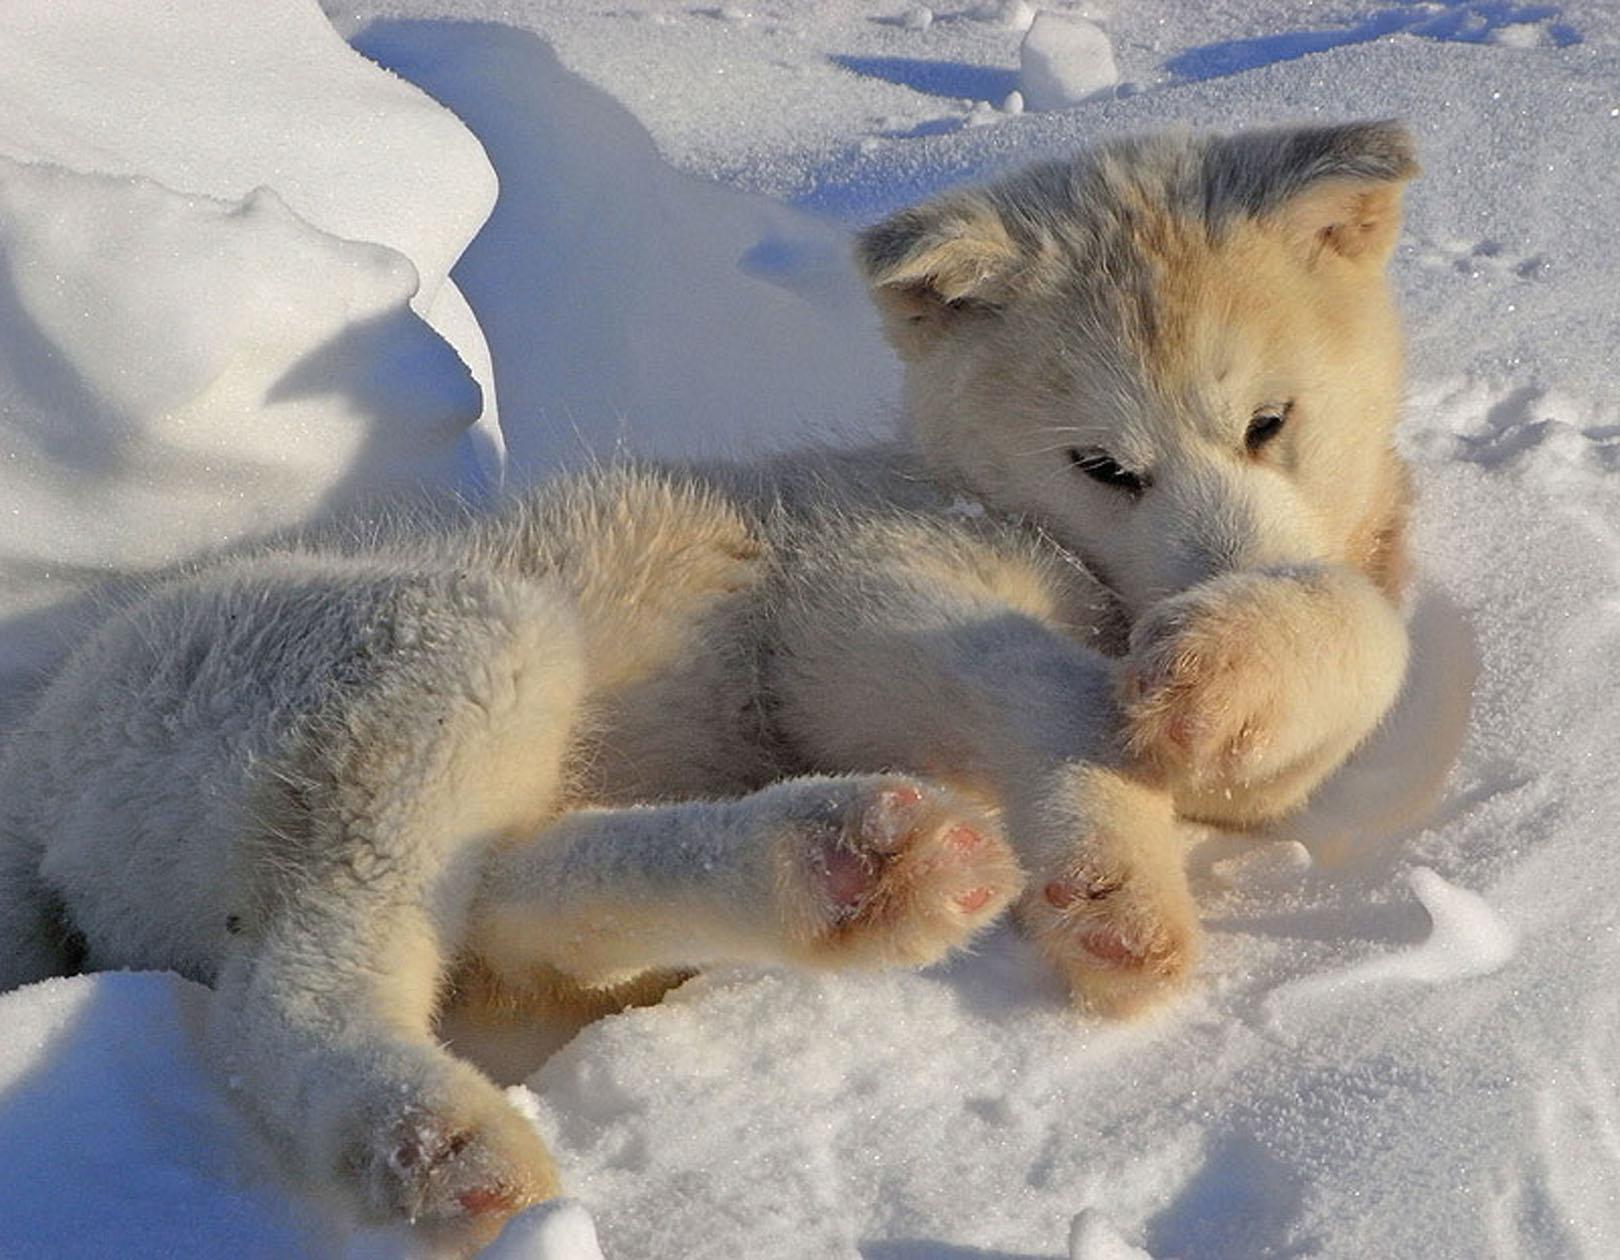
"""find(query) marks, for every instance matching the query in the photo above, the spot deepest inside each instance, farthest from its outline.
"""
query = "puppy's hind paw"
(455, 1173)
(896, 871)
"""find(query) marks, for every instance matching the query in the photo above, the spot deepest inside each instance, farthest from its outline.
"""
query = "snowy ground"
(1407, 1038)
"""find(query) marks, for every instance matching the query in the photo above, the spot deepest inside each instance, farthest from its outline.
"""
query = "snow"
(1015, 15)
(1093, 1237)
(1064, 61)
(558, 1230)
(116, 1143)
(1467, 938)
(224, 303)
(1402, 1041)
(696, 317)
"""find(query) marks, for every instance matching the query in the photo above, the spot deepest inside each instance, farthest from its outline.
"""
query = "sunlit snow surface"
(1406, 1040)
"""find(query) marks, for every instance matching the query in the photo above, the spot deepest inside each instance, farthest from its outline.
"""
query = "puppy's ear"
(1334, 191)
(932, 264)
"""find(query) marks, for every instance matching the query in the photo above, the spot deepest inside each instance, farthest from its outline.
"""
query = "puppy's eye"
(1102, 467)
(1266, 423)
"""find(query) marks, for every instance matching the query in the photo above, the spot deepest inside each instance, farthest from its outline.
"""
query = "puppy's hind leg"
(375, 837)
(867, 870)
(35, 942)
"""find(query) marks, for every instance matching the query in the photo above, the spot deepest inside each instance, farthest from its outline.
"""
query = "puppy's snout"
(1224, 523)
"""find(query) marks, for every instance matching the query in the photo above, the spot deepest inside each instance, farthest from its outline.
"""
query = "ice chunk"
(1014, 15)
(1063, 61)
(919, 17)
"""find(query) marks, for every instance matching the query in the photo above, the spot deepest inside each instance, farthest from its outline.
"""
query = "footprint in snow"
(1483, 260)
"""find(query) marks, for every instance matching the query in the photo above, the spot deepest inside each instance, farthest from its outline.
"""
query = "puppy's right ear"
(934, 264)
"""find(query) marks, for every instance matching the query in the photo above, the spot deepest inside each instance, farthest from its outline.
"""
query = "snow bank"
(113, 1142)
(213, 368)
(625, 301)
(217, 98)
(225, 242)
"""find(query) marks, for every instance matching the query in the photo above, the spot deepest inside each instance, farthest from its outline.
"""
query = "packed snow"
(243, 285)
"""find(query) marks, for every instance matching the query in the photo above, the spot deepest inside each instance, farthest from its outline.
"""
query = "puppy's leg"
(370, 842)
(874, 870)
(1247, 690)
(954, 658)
(1109, 906)
(322, 1030)
(33, 938)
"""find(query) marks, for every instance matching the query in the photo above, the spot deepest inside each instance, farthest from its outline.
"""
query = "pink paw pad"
(480, 1201)
(1110, 946)
(1061, 894)
(974, 900)
(889, 817)
(849, 876)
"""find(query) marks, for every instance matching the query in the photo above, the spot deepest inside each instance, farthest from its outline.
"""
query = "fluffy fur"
(815, 712)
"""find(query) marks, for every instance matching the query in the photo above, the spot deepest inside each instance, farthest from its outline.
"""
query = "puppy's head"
(1178, 353)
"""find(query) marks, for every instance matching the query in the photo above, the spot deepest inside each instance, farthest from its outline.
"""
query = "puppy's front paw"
(1122, 938)
(896, 871)
(1216, 690)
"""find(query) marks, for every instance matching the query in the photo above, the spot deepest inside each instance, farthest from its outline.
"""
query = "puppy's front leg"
(1110, 907)
(1249, 689)
(858, 870)
(956, 659)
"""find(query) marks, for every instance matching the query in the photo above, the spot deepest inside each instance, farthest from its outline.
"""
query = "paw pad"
(914, 869)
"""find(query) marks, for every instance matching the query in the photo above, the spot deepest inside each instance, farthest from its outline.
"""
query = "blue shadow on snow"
(1469, 22)
(956, 79)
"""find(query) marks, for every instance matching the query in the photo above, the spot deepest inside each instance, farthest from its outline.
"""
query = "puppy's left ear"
(932, 265)
(1334, 191)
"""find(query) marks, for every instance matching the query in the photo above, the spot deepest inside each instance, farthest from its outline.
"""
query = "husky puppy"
(1137, 555)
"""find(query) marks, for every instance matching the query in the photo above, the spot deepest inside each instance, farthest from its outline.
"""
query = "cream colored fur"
(828, 711)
